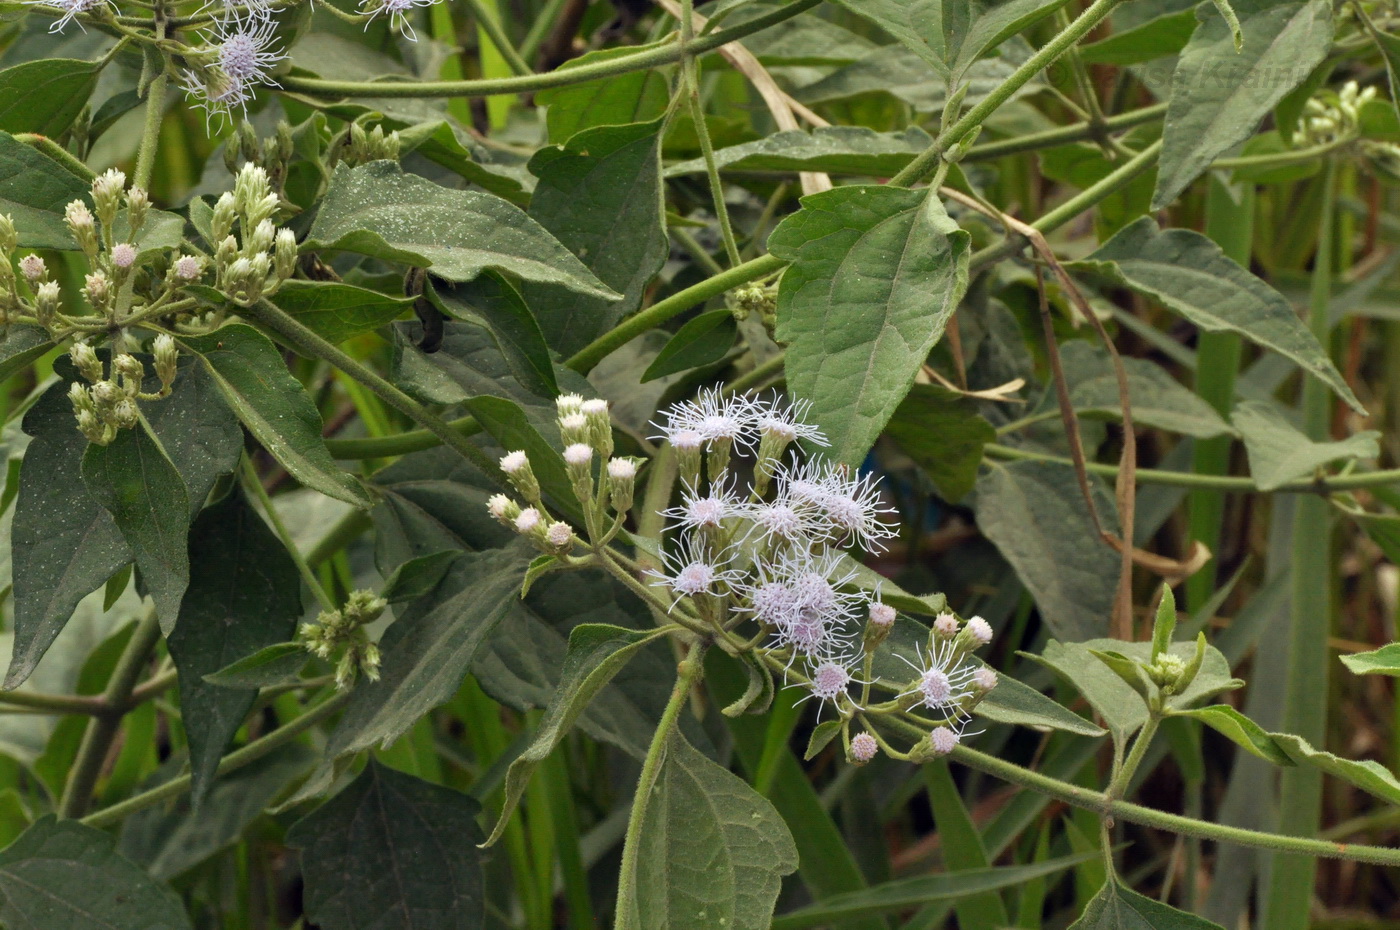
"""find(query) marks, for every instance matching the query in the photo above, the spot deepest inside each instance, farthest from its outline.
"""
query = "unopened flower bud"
(578, 460)
(98, 289)
(9, 239)
(975, 634)
(286, 253)
(86, 361)
(503, 509)
(129, 367)
(1167, 669)
(33, 269)
(599, 426)
(566, 404)
(878, 627)
(107, 190)
(516, 465)
(943, 740)
(687, 445)
(125, 415)
(261, 238)
(138, 205)
(985, 679)
(123, 255)
(946, 625)
(90, 426)
(863, 748)
(46, 302)
(226, 254)
(225, 212)
(188, 267)
(105, 395)
(82, 226)
(559, 538)
(167, 357)
(369, 661)
(529, 522)
(80, 397)
(573, 428)
(622, 483)
(362, 606)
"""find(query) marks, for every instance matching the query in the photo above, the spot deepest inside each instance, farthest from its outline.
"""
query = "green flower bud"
(138, 205)
(107, 189)
(225, 212)
(167, 357)
(285, 254)
(9, 239)
(86, 361)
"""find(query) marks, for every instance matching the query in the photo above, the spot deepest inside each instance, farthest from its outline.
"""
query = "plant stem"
(927, 163)
(1061, 135)
(254, 483)
(530, 46)
(1288, 893)
(486, 19)
(1124, 776)
(307, 341)
(235, 760)
(103, 728)
(649, 58)
(376, 447)
(155, 112)
(688, 672)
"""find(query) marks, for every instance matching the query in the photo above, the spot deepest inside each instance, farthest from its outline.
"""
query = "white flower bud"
(105, 394)
(107, 194)
(262, 238)
(573, 428)
(98, 289)
(167, 357)
(985, 678)
(863, 748)
(622, 469)
(559, 537)
(578, 455)
(86, 361)
(513, 462)
(225, 212)
(285, 253)
(566, 404)
(943, 740)
(528, 521)
(881, 614)
(945, 624)
(33, 269)
(979, 630)
(123, 255)
(516, 465)
(124, 413)
(188, 267)
(138, 204)
(503, 509)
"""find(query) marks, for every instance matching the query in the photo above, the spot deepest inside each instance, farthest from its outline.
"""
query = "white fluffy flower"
(788, 421)
(943, 740)
(689, 570)
(397, 11)
(512, 462)
(945, 681)
(980, 631)
(863, 748)
(712, 417)
(622, 469)
(711, 509)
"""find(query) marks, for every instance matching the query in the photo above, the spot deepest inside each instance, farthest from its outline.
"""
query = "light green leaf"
(337, 312)
(244, 595)
(1035, 515)
(876, 273)
(908, 893)
(1157, 398)
(135, 481)
(270, 665)
(702, 341)
(254, 380)
(600, 195)
(835, 149)
(625, 98)
(392, 852)
(34, 189)
(1241, 730)
(376, 209)
(1222, 88)
(1188, 274)
(943, 433)
(1279, 452)
(1119, 908)
(822, 735)
(1369, 776)
(1382, 661)
(1164, 624)
(721, 847)
(916, 23)
(61, 875)
(597, 652)
(46, 95)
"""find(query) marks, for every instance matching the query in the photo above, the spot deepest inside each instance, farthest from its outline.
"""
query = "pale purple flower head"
(123, 255)
(397, 12)
(944, 740)
(690, 570)
(71, 10)
(863, 748)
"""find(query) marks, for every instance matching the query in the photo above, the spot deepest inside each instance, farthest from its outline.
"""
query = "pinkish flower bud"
(863, 748)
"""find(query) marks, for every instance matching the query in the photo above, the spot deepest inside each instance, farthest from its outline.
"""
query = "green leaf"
(943, 433)
(34, 189)
(428, 649)
(1164, 624)
(975, 28)
(1241, 730)
(1189, 274)
(1035, 515)
(170, 842)
(600, 195)
(876, 273)
(963, 849)
(702, 341)
(244, 595)
(758, 696)
(394, 853)
(1015, 702)
(1390, 53)
(1119, 908)
(918, 24)
(417, 577)
(61, 875)
(722, 848)
(135, 481)
(1367, 775)
(1157, 398)
(908, 893)
(1128, 671)
(21, 344)
(431, 501)
(337, 312)
(597, 652)
(254, 380)
(270, 665)
(469, 360)
(1382, 661)
(1115, 701)
(625, 98)
(822, 735)
(852, 150)
(378, 210)
(1219, 92)
(1156, 38)
(1279, 452)
(495, 303)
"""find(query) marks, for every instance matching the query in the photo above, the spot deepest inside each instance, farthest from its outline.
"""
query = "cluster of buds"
(356, 146)
(755, 298)
(343, 631)
(1333, 116)
(255, 262)
(274, 154)
(108, 403)
(603, 485)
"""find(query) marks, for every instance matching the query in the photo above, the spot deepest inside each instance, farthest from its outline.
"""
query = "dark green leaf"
(1157, 398)
(701, 341)
(1119, 908)
(417, 577)
(853, 150)
(942, 432)
(822, 735)
(612, 101)
(722, 848)
(876, 273)
(600, 195)
(270, 665)
(597, 652)
(432, 501)
(378, 210)
(1219, 93)
(34, 189)
(337, 312)
(20, 345)
(254, 380)
(1158, 37)
(493, 301)
(471, 359)
(515, 428)
(1014, 702)
(244, 595)
(1279, 452)
(394, 853)
(758, 696)
(61, 875)
(135, 481)
(1189, 274)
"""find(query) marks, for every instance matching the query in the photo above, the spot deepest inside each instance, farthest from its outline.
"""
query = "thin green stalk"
(639, 61)
(539, 30)
(488, 22)
(308, 342)
(690, 86)
(1062, 135)
(1124, 776)
(690, 670)
(254, 484)
(927, 162)
(254, 751)
(101, 730)
(376, 447)
(155, 112)
(1288, 894)
(1231, 224)
(758, 375)
(53, 703)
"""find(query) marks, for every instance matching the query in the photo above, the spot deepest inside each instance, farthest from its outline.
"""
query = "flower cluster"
(253, 264)
(1333, 116)
(343, 631)
(109, 403)
(238, 54)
